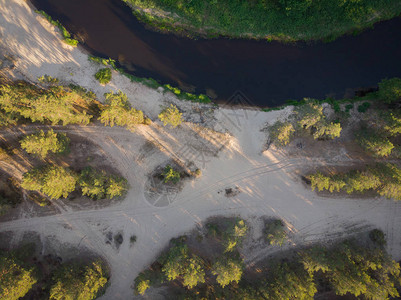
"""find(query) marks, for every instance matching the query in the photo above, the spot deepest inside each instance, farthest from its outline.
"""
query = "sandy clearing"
(264, 178)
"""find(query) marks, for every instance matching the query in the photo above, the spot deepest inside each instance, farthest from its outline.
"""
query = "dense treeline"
(68, 281)
(384, 179)
(280, 19)
(347, 267)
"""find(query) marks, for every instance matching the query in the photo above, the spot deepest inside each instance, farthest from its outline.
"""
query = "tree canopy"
(171, 116)
(42, 143)
(227, 270)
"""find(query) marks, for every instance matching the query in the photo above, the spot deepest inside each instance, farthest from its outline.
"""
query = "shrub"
(363, 107)
(309, 114)
(374, 143)
(170, 175)
(326, 130)
(142, 286)
(42, 143)
(53, 181)
(103, 75)
(171, 116)
(97, 184)
(390, 90)
(281, 133)
(227, 270)
(118, 111)
(378, 237)
(390, 122)
(16, 279)
(48, 79)
(275, 232)
(357, 181)
(74, 281)
(234, 234)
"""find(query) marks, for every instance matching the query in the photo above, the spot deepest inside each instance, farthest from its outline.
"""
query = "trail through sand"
(235, 160)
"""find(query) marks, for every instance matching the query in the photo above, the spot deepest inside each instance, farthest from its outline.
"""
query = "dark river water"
(266, 73)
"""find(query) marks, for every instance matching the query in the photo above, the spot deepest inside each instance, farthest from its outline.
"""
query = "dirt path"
(265, 178)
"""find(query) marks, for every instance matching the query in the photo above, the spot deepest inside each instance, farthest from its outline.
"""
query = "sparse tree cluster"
(385, 179)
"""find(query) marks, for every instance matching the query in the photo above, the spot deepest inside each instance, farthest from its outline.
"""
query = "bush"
(326, 130)
(48, 79)
(118, 111)
(171, 116)
(103, 75)
(275, 232)
(234, 234)
(53, 181)
(42, 143)
(142, 286)
(74, 281)
(363, 107)
(281, 133)
(390, 90)
(309, 114)
(390, 122)
(227, 270)
(374, 143)
(170, 175)
(98, 185)
(378, 237)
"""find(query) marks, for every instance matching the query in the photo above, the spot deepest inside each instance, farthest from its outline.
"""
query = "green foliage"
(103, 75)
(234, 234)
(15, 279)
(83, 282)
(390, 90)
(378, 237)
(289, 281)
(309, 114)
(55, 104)
(98, 185)
(390, 121)
(118, 111)
(326, 130)
(275, 232)
(66, 35)
(170, 175)
(227, 270)
(363, 107)
(281, 133)
(42, 143)
(390, 176)
(355, 270)
(53, 181)
(178, 262)
(142, 286)
(374, 143)
(357, 181)
(281, 19)
(171, 116)
(48, 79)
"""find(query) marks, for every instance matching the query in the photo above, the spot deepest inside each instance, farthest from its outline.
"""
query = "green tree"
(374, 143)
(53, 181)
(103, 75)
(97, 184)
(118, 111)
(42, 143)
(390, 90)
(390, 176)
(15, 279)
(234, 234)
(178, 262)
(309, 114)
(56, 104)
(327, 130)
(170, 175)
(78, 282)
(281, 133)
(171, 116)
(142, 286)
(275, 232)
(227, 270)
(390, 121)
(289, 281)
(361, 181)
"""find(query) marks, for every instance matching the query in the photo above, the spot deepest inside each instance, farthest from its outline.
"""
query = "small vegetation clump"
(77, 281)
(103, 75)
(66, 35)
(171, 116)
(384, 179)
(42, 143)
(275, 232)
(57, 104)
(97, 184)
(53, 181)
(118, 111)
(170, 175)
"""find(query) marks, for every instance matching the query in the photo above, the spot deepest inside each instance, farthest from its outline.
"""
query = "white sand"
(264, 178)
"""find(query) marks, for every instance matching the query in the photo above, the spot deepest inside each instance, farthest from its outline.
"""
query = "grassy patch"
(284, 20)
(66, 35)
